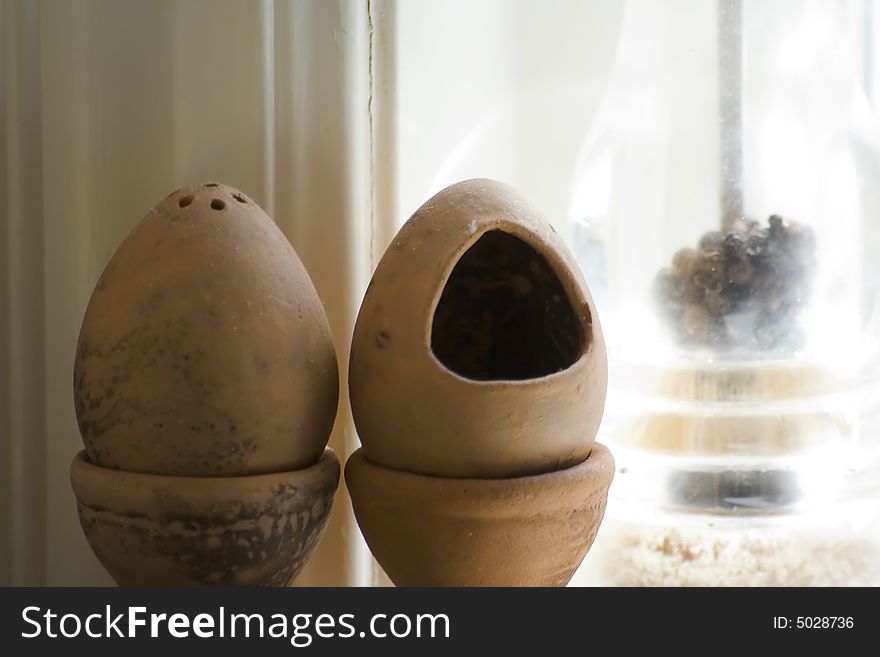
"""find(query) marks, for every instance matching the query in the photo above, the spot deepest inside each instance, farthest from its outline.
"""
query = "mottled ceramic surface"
(205, 350)
(437, 531)
(154, 530)
(477, 351)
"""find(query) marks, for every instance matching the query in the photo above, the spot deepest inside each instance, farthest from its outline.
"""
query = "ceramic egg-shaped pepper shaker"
(206, 388)
(205, 350)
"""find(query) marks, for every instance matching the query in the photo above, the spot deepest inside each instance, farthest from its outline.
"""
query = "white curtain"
(108, 106)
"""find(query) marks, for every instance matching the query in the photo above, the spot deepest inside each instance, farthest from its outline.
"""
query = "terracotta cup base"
(522, 531)
(155, 530)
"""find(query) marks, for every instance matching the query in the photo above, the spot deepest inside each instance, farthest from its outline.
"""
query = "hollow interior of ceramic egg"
(505, 315)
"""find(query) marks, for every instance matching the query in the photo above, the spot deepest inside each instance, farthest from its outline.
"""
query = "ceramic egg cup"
(160, 530)
(440, 531)
(477, 381)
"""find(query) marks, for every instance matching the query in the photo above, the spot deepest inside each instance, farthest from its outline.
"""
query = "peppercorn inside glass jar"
(745, 288)
(724, 211)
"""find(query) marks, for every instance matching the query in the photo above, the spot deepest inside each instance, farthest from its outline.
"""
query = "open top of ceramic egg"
(477, 351)
(205, 350)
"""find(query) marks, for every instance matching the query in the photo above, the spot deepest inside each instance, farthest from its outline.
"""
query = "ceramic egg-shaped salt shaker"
(477, 351)
(477, 381)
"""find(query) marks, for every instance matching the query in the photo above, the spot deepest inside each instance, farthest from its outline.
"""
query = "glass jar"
(726, 211)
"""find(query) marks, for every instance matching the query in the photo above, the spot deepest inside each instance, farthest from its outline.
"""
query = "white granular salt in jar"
(764, 551)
